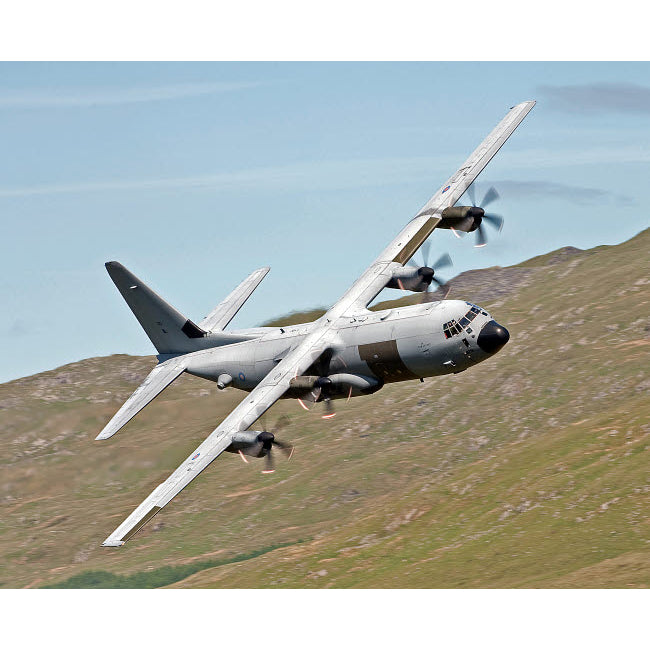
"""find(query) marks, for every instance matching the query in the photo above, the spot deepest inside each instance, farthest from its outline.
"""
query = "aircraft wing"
(244, 415)
(225, 311)
(323, 333)
(404, 246)
(155, 383)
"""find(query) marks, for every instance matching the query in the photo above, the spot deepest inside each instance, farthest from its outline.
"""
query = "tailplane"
(155, 383)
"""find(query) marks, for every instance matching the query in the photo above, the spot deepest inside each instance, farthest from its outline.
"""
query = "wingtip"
(115, 543)
(104, 434)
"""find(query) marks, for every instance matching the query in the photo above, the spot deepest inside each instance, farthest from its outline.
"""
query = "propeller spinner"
(266, 441)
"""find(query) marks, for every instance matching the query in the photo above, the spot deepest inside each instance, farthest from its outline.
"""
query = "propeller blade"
(442, 262)
(442, 286)
(329, 409)
(281, 423)
(490, 196)
(471, 194)
(426, 248)
(285, 448)
(481, 239)
(269, 467)
(315, 393)
(495, 220)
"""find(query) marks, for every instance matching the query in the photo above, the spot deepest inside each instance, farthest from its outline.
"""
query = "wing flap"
(226, 310)
(155, 383)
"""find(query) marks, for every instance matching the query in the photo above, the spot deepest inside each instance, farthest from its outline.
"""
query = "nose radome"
(492, 337)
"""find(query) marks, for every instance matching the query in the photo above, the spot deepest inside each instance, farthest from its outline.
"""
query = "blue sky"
(192, 175)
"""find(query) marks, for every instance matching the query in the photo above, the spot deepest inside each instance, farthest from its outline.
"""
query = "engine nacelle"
(409, 278)
(339, 385)
(247, 442)
(464, 218)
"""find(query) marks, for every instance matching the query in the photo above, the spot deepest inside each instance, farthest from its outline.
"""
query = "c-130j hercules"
(349, 351)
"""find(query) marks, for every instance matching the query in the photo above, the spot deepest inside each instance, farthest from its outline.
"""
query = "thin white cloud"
(350, 174)
(617, 97)
(87, 98)
(314, 175)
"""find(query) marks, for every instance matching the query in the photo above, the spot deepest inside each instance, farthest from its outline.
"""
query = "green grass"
(154, 578)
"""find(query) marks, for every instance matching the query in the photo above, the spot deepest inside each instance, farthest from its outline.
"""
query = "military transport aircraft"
(349, 351)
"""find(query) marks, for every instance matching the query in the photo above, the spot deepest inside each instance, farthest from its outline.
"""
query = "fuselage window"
(451, 328)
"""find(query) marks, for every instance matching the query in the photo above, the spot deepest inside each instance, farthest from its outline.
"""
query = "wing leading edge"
(322, 335)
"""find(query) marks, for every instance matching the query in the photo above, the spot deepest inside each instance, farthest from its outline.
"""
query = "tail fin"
(168, 329)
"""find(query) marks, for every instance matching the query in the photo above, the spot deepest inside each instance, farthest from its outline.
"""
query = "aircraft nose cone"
(492, 337)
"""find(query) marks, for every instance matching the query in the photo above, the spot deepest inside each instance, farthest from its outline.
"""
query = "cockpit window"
(452, 327)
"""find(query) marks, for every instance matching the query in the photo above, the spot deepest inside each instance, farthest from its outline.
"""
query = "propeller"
(427, 273)
(495, 220)
(323, 388)
(266, 442)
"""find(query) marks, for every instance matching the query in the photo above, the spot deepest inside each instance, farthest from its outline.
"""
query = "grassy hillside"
(530, 470)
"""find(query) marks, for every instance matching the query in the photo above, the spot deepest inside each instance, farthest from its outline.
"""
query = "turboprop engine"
(468, 218)
(258, 444)
(314, 388)
(416, 277)
(464, 218)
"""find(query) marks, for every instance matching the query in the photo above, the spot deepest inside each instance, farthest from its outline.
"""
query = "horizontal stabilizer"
(155, 383)
(225, 311)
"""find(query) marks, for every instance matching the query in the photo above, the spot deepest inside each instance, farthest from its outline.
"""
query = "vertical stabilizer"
(168, 329)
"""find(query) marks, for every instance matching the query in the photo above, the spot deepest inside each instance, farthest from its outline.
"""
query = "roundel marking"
(242, 376)
(196, 455)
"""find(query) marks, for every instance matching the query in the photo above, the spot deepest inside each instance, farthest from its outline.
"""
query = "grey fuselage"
(398, 344)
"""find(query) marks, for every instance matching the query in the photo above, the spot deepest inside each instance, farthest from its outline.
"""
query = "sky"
(195, 174)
